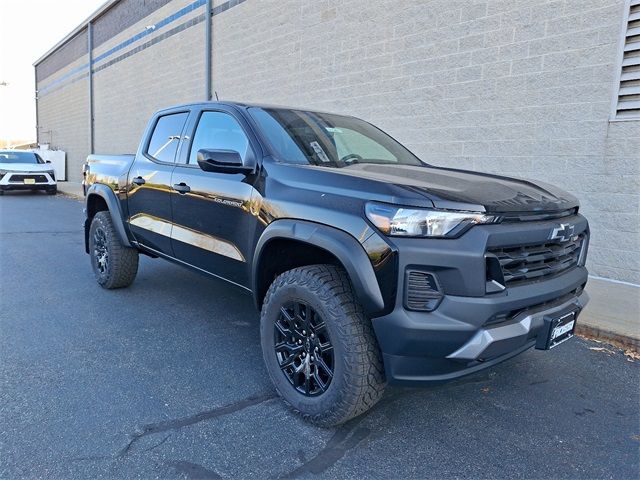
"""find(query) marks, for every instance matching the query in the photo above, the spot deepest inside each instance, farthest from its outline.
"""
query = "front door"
(149, 196)
(213, 226)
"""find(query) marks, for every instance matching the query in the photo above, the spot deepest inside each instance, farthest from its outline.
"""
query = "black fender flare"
(115, 211)
(343, 246)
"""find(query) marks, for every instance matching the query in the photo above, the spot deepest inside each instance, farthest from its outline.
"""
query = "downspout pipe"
(90, 51)
(208, 49)
(35, 71)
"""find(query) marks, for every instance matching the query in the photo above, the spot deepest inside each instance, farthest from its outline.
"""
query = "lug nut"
(304, 332)
(304, 354)
(315, 349)
(312, 358)
(312, 335)
(299, 342)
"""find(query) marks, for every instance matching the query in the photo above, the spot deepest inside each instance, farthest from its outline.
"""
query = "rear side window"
(166, 137)
(218, 131)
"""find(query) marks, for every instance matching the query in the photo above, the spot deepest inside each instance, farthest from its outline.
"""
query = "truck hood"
(26, 167)
(465, 190)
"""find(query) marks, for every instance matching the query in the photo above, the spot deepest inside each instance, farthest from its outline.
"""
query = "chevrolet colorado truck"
(368, 265)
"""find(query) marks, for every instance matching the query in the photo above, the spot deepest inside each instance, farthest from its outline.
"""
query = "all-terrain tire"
(358, 375)
(114, 265)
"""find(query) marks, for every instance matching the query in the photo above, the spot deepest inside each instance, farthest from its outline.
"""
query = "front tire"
(52, 190)
(319, 347)
(114, 265)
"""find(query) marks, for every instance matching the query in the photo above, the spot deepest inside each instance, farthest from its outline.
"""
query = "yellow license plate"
(29, 181)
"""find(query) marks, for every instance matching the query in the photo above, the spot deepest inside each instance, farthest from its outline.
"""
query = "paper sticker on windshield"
(320, 152)
(333, 130)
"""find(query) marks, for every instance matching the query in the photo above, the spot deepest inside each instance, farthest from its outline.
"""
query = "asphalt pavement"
(165, 380)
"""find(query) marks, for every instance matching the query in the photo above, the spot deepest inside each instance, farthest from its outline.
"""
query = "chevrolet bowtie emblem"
(563, 233)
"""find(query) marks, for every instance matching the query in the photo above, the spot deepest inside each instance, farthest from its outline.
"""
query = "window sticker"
(320, 152)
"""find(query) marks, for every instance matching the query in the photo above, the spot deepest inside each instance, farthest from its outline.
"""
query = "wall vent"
(627, 103)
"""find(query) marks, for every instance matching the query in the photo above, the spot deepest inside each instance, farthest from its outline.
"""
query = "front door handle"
(139, 181)
(181, 188)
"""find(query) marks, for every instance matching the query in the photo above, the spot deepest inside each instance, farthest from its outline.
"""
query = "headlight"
(419, 222)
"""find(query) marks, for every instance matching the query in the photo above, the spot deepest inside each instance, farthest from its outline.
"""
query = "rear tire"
(329, 315)
(114, 265)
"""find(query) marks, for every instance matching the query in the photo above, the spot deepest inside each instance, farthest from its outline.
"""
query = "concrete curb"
(607, 336)
(71, 189)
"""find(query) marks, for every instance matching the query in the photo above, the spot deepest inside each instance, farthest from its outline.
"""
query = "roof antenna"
(216, 93)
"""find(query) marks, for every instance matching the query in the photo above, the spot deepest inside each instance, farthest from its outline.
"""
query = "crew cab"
(367, 265)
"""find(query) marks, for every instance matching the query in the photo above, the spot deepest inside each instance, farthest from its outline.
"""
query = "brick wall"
(516, 87)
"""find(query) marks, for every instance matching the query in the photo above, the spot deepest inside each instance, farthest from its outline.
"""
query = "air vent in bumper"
(421, 292)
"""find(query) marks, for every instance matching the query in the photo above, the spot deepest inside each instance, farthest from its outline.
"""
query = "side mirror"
(223, 161)
(48, 161)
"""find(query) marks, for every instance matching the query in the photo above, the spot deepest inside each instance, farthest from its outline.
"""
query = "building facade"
(547, 90)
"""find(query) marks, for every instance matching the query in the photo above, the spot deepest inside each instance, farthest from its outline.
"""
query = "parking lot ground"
(165, 379)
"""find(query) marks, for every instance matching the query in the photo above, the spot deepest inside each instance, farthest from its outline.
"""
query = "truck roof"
(245, 105)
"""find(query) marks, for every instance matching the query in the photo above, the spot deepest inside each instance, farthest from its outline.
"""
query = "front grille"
(19, 178)
(529, 263)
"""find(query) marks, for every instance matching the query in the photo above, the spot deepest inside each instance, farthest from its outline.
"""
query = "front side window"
(218, 131)
(166, 137)
(328, 140)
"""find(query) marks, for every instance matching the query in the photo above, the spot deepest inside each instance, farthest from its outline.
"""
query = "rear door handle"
(181, 188)
(139, 181)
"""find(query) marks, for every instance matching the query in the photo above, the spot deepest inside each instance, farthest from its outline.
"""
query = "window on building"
(627, 102)
(166, 137)
(218, 131)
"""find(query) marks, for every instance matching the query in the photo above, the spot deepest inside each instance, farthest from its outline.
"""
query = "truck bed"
(108, 169)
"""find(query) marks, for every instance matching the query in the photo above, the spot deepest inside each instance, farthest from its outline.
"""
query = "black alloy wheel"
(100, 250)
(303, 348)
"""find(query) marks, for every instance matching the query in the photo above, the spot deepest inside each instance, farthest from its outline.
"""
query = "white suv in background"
(20, 170)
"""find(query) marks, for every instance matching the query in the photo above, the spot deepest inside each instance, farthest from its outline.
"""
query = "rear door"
(213, 225)
(149, 197)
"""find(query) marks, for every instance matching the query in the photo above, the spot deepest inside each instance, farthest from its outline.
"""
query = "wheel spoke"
(320, 327)
(290, 320)
(325, 347)
(307, 383)
(319, 382)
(289, 347)
(285, 332)
(322, 364)
(288, 362)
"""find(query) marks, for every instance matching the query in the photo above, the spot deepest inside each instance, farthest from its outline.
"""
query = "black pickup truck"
(368, 266)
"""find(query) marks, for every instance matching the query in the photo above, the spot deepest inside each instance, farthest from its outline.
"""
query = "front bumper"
(459, 337)
(15, 180)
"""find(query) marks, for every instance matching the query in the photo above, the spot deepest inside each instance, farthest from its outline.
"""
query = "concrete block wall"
(63, 114)
(516, 87)
(521, 88)
(168, 72)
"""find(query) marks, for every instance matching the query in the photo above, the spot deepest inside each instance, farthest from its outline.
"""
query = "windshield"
(13, 156)
(328, 140)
